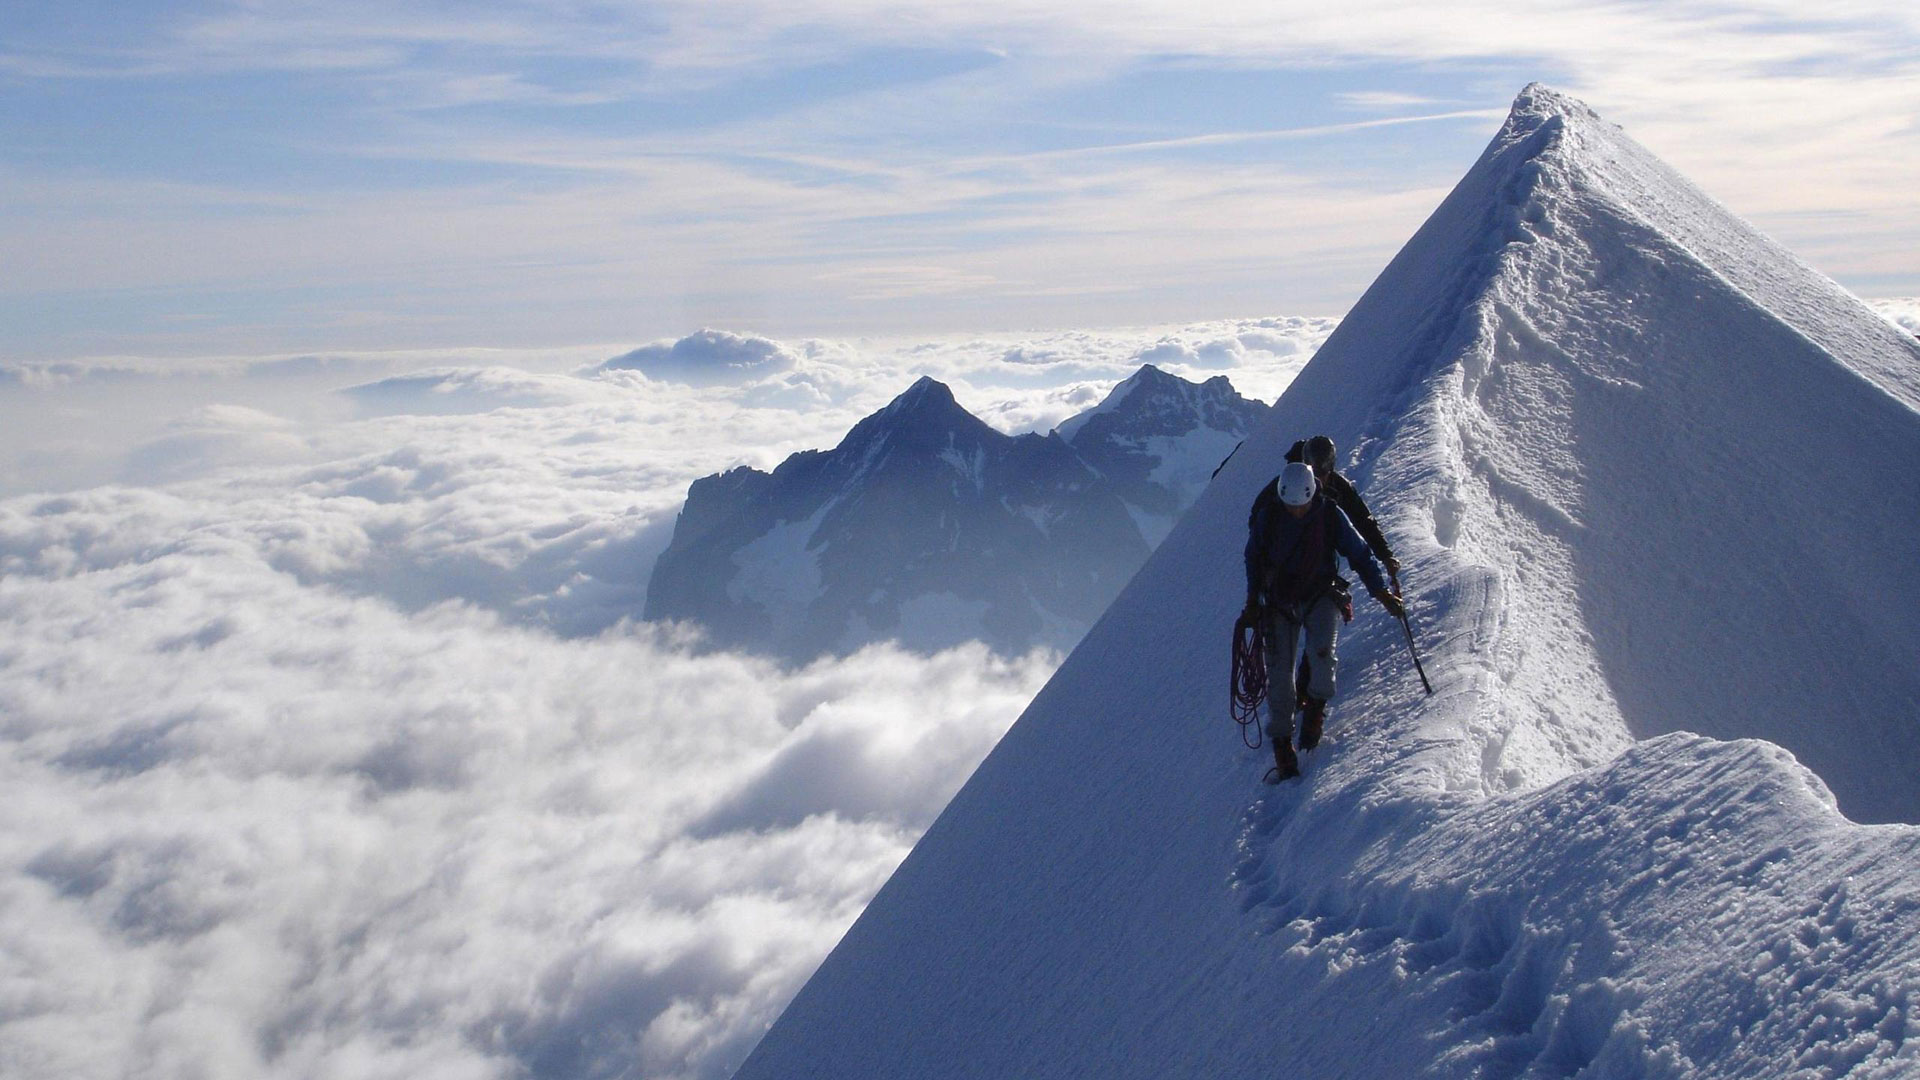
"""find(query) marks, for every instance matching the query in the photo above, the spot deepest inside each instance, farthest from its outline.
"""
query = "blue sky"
(236, 178)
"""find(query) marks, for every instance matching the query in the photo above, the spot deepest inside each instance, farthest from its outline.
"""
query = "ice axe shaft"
(1415, 650)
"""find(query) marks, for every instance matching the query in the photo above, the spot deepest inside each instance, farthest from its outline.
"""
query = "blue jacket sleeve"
(1359, 555)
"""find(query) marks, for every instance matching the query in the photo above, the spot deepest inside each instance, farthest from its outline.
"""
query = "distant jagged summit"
(927, 396)
(1150, 401)
(1158, 438)
(927, 526)
(927, 407)
(1650, 480)
(924, 418)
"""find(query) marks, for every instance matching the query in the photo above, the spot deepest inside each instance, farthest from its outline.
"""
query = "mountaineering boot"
(1311, 720)
(1285, 765)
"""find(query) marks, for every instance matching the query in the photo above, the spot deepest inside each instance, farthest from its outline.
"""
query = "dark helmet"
(1319, 453)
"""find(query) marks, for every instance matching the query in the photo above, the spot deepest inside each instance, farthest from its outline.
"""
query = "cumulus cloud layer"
(1904, 312)
(86, 424)
(465, 390)
(263, 828)
(332, 749)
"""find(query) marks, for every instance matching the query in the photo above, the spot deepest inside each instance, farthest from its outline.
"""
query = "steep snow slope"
(1650, 475)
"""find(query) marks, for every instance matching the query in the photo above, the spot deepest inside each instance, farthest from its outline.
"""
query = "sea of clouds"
(333, 744)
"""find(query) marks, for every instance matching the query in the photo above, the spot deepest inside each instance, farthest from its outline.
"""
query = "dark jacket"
(1289, 562)
(1348, 499)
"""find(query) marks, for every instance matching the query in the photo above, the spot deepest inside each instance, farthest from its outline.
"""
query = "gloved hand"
(1392, 603)
(1393, 574)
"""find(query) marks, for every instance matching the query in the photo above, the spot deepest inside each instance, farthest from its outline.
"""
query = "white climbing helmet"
(1296, 484)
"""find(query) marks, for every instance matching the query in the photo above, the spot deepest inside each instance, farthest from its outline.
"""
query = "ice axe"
(1415, 650)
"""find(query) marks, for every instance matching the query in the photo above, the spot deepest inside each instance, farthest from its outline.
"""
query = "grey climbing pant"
(1320, 621)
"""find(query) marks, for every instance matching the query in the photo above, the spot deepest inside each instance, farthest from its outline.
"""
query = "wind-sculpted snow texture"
(1650, 476)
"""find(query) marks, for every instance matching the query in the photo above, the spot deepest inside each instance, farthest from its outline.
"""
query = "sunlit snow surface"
(1650, 476)
(329, 747)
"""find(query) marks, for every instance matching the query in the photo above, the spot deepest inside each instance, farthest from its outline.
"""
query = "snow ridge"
(1587, 403)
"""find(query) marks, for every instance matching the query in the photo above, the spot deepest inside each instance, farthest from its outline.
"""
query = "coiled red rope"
(1248, 681)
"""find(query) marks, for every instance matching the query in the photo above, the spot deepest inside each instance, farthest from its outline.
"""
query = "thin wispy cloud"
(1228, 138)
(650, 165)
(1384, 99)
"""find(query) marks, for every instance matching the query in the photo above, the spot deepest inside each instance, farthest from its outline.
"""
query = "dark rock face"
(928, 527)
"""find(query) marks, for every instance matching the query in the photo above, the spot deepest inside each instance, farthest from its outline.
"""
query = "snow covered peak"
(924, 391)
(1574, 400)
(1537, 102)
(927, 401)
(1168, 403)
(924, 415)
(924, 526)
(1115, 397)
(1158, 438)
(1150, 376)
(1627, 375)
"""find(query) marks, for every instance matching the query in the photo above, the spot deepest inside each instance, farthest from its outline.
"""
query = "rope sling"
(1248, 681)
